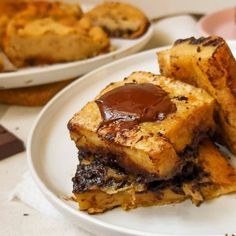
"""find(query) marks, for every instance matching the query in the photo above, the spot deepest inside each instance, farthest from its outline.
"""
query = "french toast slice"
(52, 43)
(7, 10)
(61, 11)
(119, 19)
(157, 148)
(45, 33)
(219, 177)
(100, 186)
(207, 63)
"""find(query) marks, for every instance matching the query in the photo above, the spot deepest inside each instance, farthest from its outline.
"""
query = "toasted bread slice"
(151, 147)
(97, 201)
(10, 8)
(99, 187)
(119, 19)
(209, 64)
(45, 41)
(45, 33)
(219, 178)
(7, 10)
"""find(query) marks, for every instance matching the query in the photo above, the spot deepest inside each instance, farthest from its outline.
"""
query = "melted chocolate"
(135, 102)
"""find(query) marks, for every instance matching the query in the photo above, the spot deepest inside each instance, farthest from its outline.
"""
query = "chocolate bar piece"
(9, 144)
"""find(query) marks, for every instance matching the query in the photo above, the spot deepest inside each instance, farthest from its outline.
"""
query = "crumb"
(25, 214)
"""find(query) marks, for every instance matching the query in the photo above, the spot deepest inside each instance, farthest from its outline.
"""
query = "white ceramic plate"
(53, 159)
(57, 72)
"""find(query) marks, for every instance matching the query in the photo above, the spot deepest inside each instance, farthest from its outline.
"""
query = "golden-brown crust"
(152, 146)
(220, 175)
(119, 19)
(207, 63)
(7, 10)
(34, 37)
(98, 201)
(216, 177)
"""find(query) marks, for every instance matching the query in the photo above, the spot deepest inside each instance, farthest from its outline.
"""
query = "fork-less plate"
(52, 73)
(53, 158)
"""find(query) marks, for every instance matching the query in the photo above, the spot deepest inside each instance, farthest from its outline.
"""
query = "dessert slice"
(100, 186)
(46, 33)
(8, 9)
(148, 124)
(52, 42)
(219, 176)
(119, 19)
(209, 64)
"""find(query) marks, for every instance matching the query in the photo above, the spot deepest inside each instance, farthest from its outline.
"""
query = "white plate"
(53, 159)
(57, 72)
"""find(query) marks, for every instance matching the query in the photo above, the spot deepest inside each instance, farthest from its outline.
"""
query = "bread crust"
(150, 147)
(119, 19)
(207, 63)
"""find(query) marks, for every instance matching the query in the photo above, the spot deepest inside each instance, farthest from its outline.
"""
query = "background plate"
(53, 158)
(57, 72)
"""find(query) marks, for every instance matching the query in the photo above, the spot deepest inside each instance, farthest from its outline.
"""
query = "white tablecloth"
(16, 217)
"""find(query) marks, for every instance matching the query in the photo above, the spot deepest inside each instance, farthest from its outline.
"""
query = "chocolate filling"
(93, 174)
(135, 103)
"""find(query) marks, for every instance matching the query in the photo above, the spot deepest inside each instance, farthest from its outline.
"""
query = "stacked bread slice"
(150, 162)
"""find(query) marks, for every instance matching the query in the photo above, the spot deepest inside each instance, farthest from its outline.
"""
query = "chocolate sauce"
(135, 102)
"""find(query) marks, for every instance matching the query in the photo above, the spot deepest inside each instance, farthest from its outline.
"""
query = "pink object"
(221, 23)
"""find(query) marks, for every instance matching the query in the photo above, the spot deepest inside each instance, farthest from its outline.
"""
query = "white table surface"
(16, 218)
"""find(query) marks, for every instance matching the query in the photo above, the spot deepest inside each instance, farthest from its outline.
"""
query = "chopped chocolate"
(9, 144)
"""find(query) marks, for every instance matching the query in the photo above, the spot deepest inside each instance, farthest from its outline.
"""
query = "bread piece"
(45, 41)
(66, 13)
(151, 148)
(219, 177)
(119, 19)
(99, 187)
(8, 9)
(209, 64)
(32, 96)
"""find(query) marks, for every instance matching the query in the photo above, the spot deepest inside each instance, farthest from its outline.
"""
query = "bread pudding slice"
(60, 11)
(119, 19)
(8, 9)
(219, 177)
(46, 33)
(101, 186)
(207, 63)
(45, 41)
(156, 148)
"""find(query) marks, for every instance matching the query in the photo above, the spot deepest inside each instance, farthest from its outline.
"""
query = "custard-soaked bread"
(151, 148)
(45, 41)
(100, 186)
(66, 13)
(8, 9)
(119, 19)
(209, 64)
(61, 12)
(219, 175)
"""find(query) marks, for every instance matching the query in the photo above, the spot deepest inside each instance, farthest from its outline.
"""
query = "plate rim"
(36, 71)
(53, 199)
